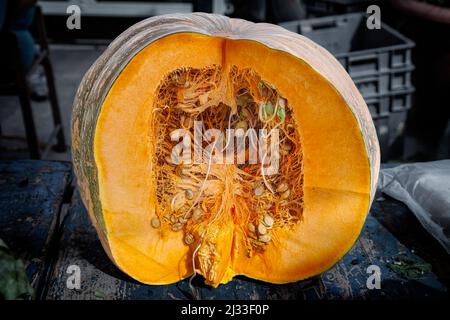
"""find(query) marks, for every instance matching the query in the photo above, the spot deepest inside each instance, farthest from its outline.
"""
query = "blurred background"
(401, 69)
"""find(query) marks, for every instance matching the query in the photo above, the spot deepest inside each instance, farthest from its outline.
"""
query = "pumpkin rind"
(100, 78)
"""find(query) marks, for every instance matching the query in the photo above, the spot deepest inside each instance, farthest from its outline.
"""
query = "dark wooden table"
(44, 222)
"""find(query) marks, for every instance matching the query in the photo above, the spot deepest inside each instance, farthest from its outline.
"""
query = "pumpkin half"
(161, 221)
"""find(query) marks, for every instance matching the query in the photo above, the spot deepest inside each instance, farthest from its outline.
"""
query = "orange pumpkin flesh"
(337, 171)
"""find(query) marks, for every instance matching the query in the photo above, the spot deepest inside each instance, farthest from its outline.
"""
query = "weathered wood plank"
(100, 279)
(398, 219)
(31, 195)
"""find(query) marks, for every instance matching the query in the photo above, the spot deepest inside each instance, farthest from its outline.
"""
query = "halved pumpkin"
(162, 221)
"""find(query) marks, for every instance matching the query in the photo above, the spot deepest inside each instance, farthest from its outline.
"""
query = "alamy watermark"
(374, 280)
(374, 18)
(74, 19)
(73, 281)
(227, 148)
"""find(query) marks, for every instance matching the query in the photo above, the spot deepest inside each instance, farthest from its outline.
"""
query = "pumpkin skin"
(112, 149)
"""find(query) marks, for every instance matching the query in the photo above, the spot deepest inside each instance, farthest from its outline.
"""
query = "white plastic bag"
(425, 189)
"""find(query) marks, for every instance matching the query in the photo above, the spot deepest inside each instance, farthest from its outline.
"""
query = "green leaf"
(410, 269)
(100, 295)
(14, 283)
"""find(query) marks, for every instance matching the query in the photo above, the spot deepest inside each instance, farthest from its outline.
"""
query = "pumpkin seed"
(253, 236)
(281, 102)
(177, 227)
(268, 221)
(259, 190)
(259, 244)
(286, 147)
(189, 239)
(242, 125)
(281, 114)
(189, 194)
(182, 220)
(178, 201)
(269, 109)
(265, 238)
(155, 222)
(251, 227)
(197, 214)
(203, 99)
(267, 205)
(187, 122)
(178, 170)
(179, 79)
(286, 194)
(187, 165)
(262, 229)
(282, 187)
(185, 172)
(173, 218)
(266, 110)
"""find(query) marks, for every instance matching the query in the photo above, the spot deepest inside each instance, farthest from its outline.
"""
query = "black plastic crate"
(384, 82)
(383, 105)
(360, 50)
(379, 62)
(332, 7)
(389, 129)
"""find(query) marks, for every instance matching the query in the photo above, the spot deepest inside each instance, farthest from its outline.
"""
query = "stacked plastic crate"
(379, 62)
(318, 8)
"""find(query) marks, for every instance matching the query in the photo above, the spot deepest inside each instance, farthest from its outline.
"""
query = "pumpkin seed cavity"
(189, 197)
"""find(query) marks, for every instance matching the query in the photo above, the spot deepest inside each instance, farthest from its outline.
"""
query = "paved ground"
(70, 64)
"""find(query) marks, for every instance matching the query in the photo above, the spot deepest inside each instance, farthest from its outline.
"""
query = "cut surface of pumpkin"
(223, 213)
